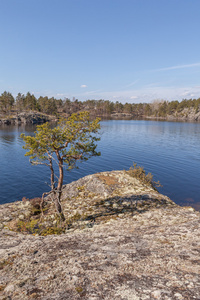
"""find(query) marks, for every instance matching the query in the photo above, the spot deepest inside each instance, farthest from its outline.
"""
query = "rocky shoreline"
(27, 118)
(121, 240)
(186, 115)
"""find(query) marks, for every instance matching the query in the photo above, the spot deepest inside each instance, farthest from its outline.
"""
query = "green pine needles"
(70, 141)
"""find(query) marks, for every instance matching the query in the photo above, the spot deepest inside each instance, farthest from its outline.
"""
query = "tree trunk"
(59, 207)
(52, 176)
(59, 189)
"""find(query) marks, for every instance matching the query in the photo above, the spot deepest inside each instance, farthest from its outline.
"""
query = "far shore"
(33, 117)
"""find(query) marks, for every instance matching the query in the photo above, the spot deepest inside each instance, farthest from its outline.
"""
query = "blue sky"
(119, 50)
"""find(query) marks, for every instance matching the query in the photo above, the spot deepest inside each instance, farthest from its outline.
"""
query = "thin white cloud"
(60, 95)
(189, 93)
(146, 94)
(83, 86)
(132, 83)
(179, 67)
(92, 92)
(87, 93)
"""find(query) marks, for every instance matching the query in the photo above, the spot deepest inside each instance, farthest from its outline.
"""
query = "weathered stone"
(28, 118)
(117, 251)
(156, 294)
(9, 288)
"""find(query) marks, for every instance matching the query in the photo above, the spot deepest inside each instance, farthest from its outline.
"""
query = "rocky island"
(26, 118)
(121, 240)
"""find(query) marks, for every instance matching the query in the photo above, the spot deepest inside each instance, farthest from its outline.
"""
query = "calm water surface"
(169, 150)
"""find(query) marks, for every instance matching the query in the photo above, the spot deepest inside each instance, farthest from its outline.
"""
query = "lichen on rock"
(121, 240)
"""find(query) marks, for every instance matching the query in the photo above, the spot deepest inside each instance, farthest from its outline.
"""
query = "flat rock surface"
(128, 252)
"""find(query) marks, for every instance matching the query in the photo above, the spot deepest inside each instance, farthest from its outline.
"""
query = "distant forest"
(52, 106)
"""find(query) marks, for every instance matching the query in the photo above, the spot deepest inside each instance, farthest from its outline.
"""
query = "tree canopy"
(71, 140)
(6, 101)
(60, 107)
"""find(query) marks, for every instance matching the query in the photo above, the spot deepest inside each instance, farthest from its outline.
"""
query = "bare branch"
(42, 201)
(38, 163)
(51, 157)
(72, 156)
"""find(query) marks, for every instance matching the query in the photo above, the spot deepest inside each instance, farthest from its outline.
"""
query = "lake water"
(169, 150)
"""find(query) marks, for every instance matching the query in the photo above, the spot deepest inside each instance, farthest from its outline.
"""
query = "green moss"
(7, 262)
(79, 289)
(51, 230)
(81, 188)
(31, 226)
(35, 227)
(35, 211)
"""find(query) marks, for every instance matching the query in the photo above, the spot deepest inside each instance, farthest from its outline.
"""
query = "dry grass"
(109, 180)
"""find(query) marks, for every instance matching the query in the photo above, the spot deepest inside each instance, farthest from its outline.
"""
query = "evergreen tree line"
(54, 106)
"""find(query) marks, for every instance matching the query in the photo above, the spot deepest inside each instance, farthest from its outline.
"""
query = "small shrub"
(34, 227)
(140, 174)
(76, 217)
(35, 205)
(28, 226)
(51, 230)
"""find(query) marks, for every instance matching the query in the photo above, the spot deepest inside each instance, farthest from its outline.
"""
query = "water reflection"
(8, 139)
(169, 150)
